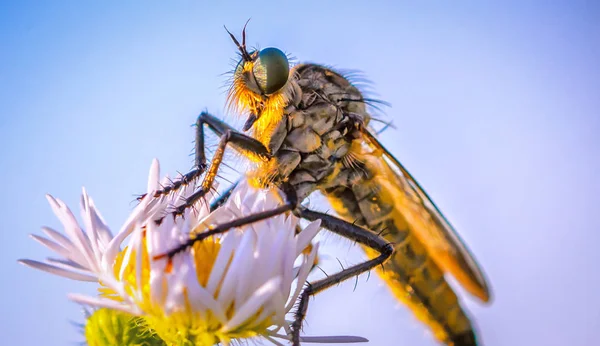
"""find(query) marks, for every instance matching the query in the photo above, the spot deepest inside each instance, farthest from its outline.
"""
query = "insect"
(308, 130)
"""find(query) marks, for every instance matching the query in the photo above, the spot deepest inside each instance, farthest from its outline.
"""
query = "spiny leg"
(219, 127)
(241, 142)
(199, 163)
(223, 197)
(336, 225)
(237, 139)
(346, 230)
(290, 204)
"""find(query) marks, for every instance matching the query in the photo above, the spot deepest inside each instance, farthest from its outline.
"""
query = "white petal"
(51, 245)
(91, 231)
(244, 280)
(159, 237)
(103, 229)
(158, 284)
(114, 247)
(58, 238)
(266, 258)
(307, 235)
(302, 276)
(276, 310)
(76, 235)
(153, 177)
(228, 244)
(65, 262)
(242, 256)
(68, 265)
(58, 271)
(118, 287)
(288, 258)
(199, 298)
(273, 341)
(138, 245)
(102, 303)
(256, 301)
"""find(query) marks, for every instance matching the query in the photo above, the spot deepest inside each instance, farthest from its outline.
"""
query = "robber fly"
(308, 130)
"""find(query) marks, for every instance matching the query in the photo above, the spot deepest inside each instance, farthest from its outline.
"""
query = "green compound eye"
(271, 70)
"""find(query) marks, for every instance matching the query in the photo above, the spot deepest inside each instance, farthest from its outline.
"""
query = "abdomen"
(410, 273)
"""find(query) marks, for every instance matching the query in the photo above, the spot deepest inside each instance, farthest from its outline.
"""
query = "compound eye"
(271, 70)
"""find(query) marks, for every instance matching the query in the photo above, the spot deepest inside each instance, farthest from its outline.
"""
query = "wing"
(431, 227)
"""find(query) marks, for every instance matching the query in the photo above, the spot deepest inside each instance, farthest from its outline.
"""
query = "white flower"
(237, 285)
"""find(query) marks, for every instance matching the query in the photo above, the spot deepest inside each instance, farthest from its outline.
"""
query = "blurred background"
(496, 114)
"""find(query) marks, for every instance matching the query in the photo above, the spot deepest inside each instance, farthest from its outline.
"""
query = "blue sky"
(496, 114)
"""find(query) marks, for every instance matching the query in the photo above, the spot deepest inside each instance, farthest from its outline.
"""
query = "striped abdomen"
(411, 273)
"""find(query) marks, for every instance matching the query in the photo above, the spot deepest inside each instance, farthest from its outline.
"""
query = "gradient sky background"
(496, 108)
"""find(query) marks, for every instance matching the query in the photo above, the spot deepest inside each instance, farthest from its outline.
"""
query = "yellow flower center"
(183, 325)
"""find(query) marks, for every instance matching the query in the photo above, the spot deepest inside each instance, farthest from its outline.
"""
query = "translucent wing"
(431, 227)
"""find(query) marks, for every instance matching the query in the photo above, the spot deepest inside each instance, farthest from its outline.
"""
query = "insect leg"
(347, 230)
(197, 171)
(219, 127)
(241, 142)
(290, 204)
(223, 197)
(251, 146)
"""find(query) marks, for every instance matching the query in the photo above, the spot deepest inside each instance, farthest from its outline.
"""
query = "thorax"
(314, 132)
